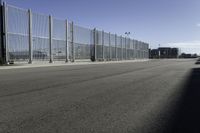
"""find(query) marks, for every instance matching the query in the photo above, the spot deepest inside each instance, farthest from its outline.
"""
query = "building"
(164, 52)
(184, 55)
(153, 53)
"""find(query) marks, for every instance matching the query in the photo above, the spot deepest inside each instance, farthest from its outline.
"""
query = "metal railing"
(30, 36)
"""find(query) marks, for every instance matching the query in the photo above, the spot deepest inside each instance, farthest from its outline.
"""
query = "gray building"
(164, 52)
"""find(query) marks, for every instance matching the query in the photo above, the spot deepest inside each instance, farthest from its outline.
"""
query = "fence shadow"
(186, 115)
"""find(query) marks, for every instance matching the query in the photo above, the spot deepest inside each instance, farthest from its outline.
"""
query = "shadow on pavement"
(197, 62)
(186, 117)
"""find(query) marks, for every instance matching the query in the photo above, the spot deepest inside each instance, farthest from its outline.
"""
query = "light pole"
(159, 51)
(127, 33)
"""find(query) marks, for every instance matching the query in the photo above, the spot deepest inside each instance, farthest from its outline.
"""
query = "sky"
(174, 23)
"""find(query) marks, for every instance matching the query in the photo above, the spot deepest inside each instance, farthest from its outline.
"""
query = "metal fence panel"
(128, 50)
(83, 41)
(119, 48)
(17, 33)
(112, 46)
(106, 46)
(124, 48)
(59, 40)
(131, 52)
(40, 29)
(99, 45)
(70, 34)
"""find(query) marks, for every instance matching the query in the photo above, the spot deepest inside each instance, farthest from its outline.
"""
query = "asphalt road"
(158, 96)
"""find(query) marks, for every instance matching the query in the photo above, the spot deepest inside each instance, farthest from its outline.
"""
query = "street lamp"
(127, 33)
(159, 52)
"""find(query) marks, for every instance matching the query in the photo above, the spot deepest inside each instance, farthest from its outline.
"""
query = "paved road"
(145, 97)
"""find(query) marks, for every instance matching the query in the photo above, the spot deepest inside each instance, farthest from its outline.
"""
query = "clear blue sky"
(165, 22)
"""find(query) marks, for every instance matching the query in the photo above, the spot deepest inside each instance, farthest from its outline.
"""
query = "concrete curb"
(19, 66)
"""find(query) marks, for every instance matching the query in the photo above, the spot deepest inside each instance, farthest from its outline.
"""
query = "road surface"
(157, 96)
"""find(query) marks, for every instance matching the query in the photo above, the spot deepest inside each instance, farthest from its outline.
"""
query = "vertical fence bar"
(133, 49)
(116, 46)
(73, 46)
(140, 49)
(143, 51)
(1, 33)
(121, 47)
(136, 49)
(5, 37)
(125, 49)
(30, 37)
(129, 49)
(95, 46)
(110, 48)
(67, 42)
(147, 52)
(50, 38)
(103, 45)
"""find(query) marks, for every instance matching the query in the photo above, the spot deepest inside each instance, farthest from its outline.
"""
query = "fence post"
(50, 38)
(116, 46)
(102, 45)
(67, 42)
(1, 35)
(6, 59)
(147, 45)
(30, 37)
(109, 48)
(133, 48)
(140, 49)
(137, 49)
(95, 46)
(121, 43)
(125, 49)
(143, 50)
(73, 46)
(129, 49)
(138, 56)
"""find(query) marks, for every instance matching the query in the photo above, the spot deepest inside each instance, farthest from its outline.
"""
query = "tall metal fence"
(30, 36)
